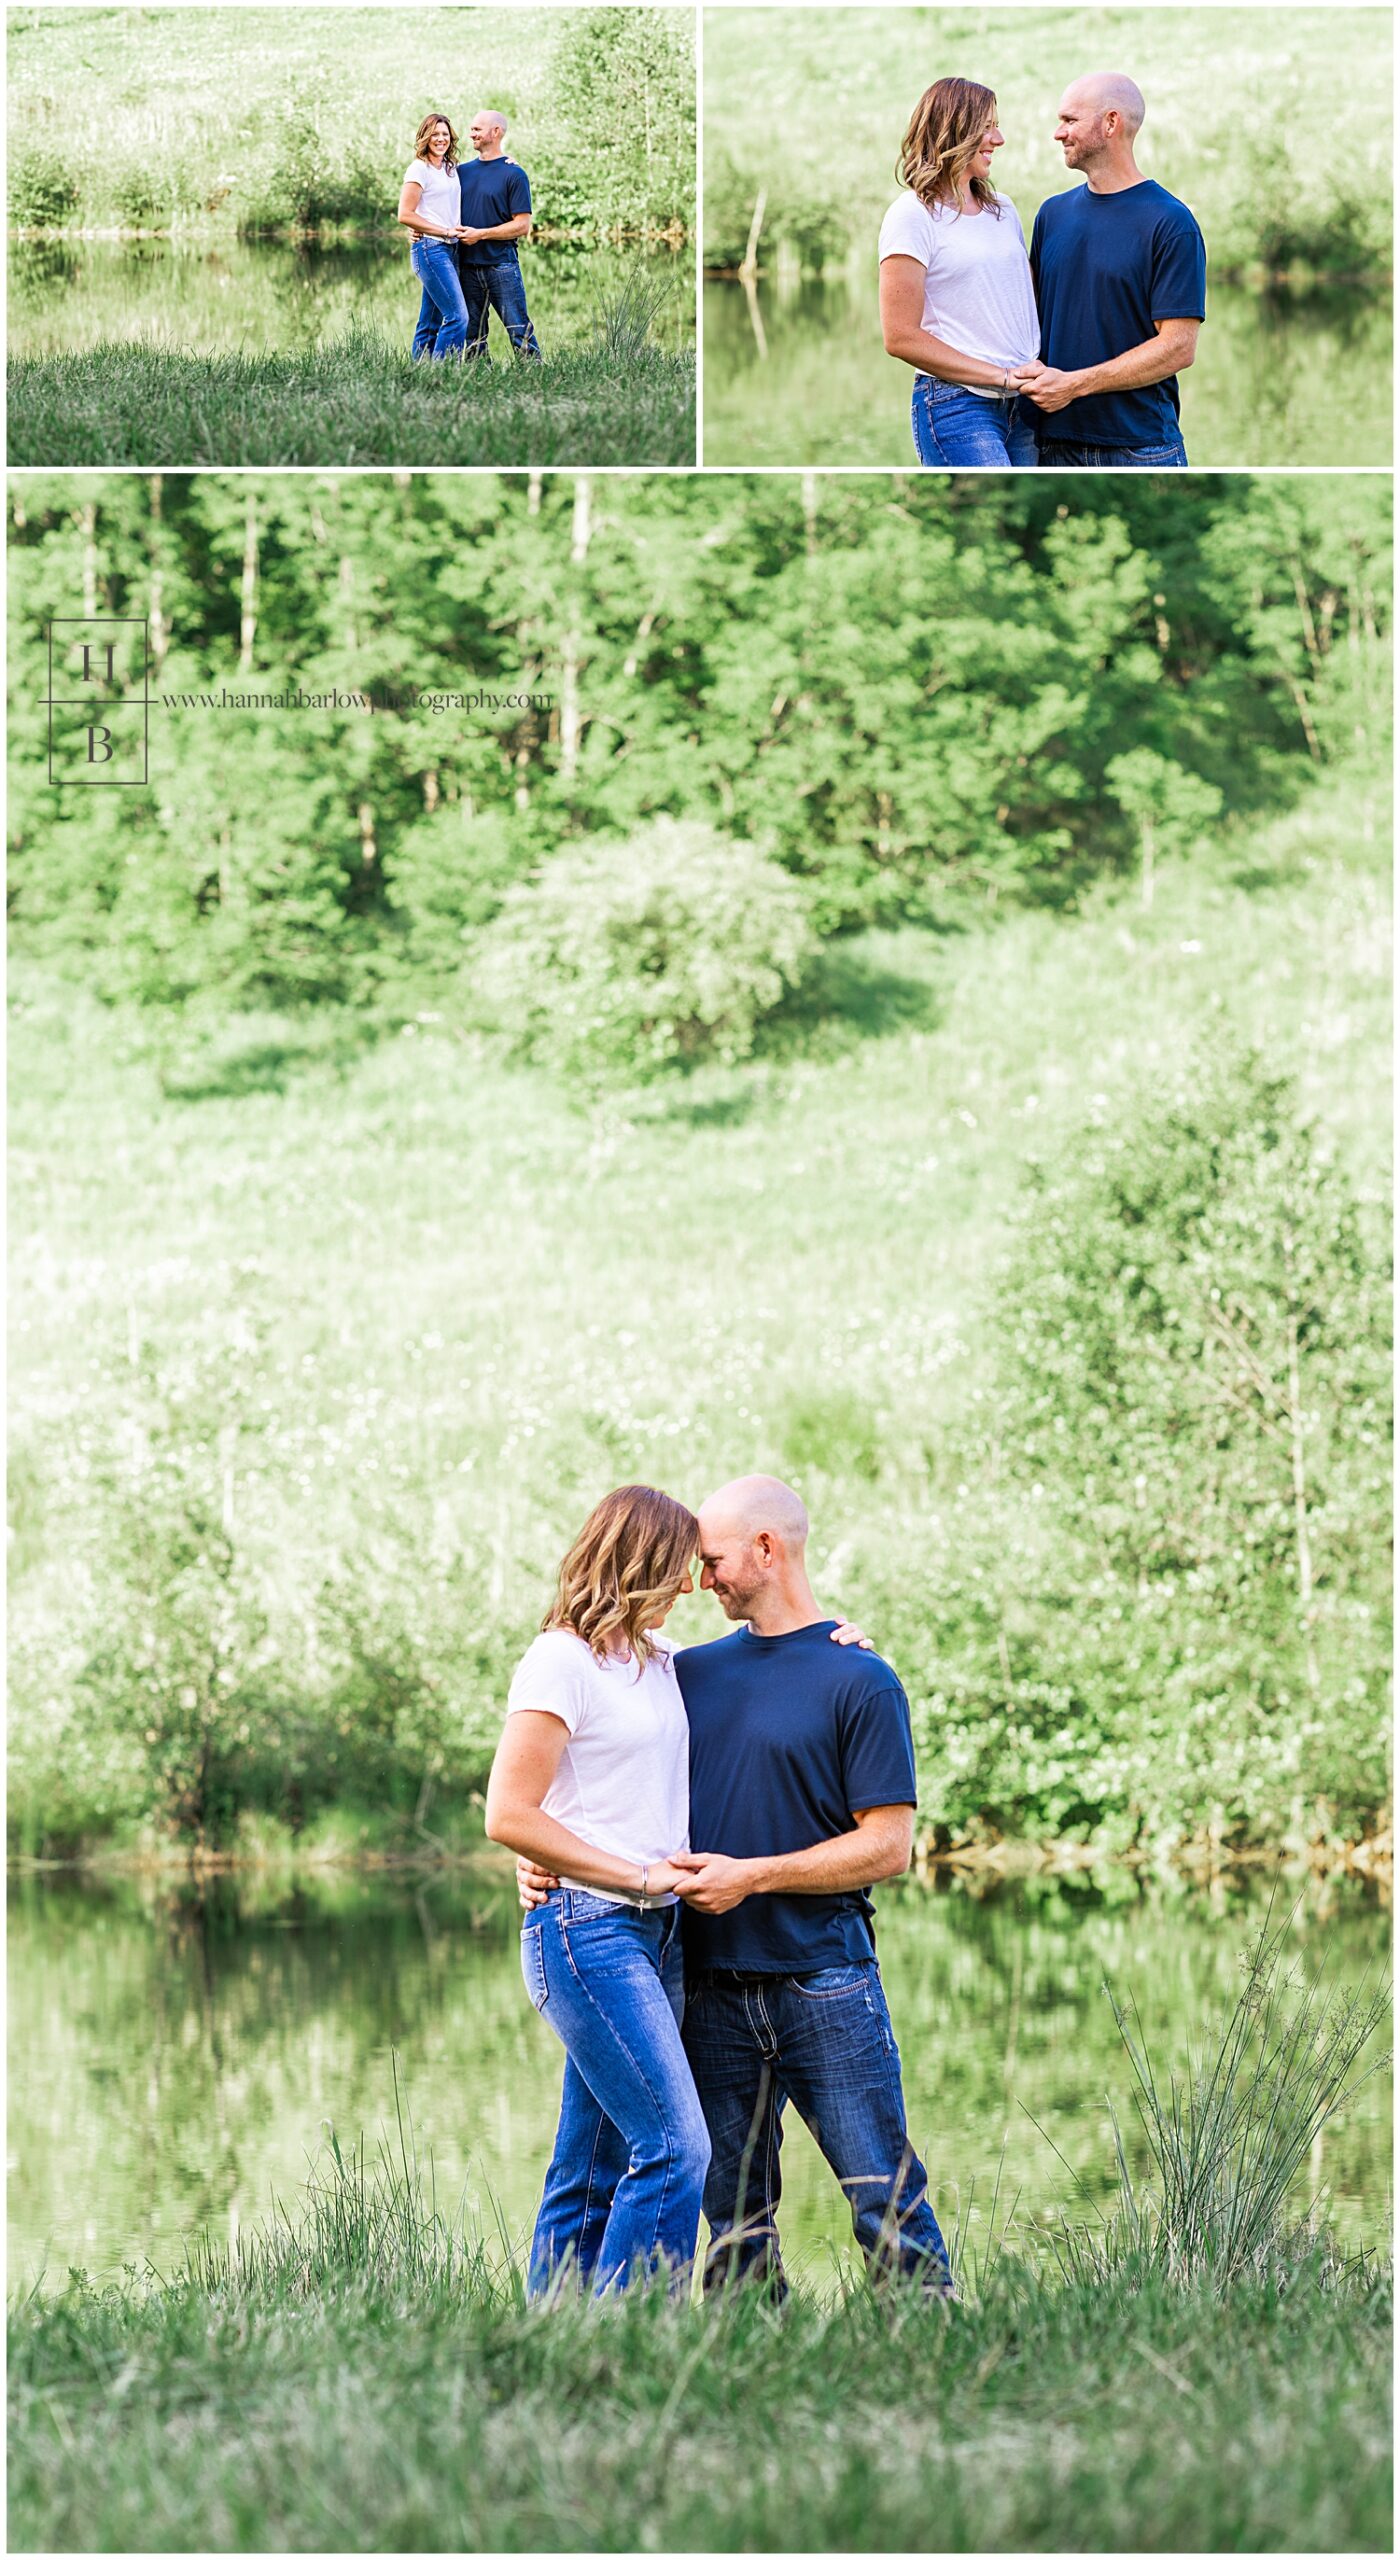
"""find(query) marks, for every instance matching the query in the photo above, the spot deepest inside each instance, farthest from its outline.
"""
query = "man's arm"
(1171, 351)
(879, 1846)
(516, 227)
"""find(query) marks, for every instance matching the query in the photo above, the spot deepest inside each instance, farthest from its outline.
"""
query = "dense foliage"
(254, 120)
(1180, 1593)
(914, 701)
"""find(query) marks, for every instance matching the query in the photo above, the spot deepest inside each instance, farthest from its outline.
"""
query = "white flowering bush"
(663, 950)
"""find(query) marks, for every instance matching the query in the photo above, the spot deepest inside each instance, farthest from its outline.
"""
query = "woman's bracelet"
(645, 1872)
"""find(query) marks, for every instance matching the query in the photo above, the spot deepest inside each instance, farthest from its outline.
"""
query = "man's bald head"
(753, 1503)
(1102, 91)
(753, 1538)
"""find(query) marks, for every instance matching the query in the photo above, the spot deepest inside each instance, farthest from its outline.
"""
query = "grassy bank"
(374, 2414)
(1197, 2372)
(359, 401)
(1224, 127)
(251, 121)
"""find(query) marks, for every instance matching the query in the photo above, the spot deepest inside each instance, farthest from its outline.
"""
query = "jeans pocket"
(578, 1905)
(834, 1982)
(532, 1964)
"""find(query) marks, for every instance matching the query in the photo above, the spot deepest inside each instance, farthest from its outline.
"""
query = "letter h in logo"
(99, 723)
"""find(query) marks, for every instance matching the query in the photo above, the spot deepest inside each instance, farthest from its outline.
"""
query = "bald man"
(801, 1797)
(1119, 267)
(496, 217)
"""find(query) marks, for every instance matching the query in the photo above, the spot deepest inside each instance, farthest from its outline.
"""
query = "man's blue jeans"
(622, 2191)
(957, 430)
(1057, 456)
(442, 314)
(498, 287)
(823, 2040)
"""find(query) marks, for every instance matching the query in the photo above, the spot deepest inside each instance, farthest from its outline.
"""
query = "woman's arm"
(901, 318)
(527, 1758)
(408, 214)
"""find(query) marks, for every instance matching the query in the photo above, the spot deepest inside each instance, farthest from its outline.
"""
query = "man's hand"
(846, 1631)
(470, 237)
(1051, 389)
(713, 1883)
(535, 1884)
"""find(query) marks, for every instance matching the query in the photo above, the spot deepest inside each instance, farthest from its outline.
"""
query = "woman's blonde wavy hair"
(629, 1559)
(420, 139)
(944, 131)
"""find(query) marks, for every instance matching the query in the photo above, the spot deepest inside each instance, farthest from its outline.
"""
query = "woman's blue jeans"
(622, 2191)
(957, 430)
(442, 314)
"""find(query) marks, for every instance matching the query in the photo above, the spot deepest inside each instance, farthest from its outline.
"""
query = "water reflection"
(176, 2054)
(796, 372)
(261, 296)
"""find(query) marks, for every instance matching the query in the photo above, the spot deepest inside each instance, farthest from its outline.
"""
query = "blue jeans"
(442, 314)
(1170, 456)
(823, 2040)
(622, 2191)
(957, 430)
(500, 287)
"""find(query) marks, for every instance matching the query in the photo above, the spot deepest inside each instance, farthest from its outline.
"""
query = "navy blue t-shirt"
(790, 1736)
(1106, 269)
(492, 191)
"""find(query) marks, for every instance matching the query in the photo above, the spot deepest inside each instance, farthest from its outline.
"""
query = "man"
(495, 216)
(1119, 267)
(802, 1795)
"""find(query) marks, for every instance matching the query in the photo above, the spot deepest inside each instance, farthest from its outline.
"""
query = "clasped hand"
(707, 1882)
(1045, 384)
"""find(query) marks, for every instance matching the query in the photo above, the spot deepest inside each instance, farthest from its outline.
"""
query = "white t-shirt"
(978, 295)
(623, 1781)
(441, 199)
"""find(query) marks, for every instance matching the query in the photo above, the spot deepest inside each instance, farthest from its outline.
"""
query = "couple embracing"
(465, 220)
(697, 1829)
(1067, 357)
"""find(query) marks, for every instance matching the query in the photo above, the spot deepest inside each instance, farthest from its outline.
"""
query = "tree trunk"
(248, 623)
(89, 525)
(570, 712)
(1300, 1499)
(749, 266)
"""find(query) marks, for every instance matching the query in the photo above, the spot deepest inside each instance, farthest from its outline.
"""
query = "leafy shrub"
(1193, 1395)
(666, 949)
(43, 188)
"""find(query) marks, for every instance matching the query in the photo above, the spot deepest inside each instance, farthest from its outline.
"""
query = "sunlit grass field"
(220, 119)
(448, 1301)
(793, 92)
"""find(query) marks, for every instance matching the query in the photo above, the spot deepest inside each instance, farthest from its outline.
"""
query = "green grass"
(1227, 121)
(359, 401)
(366, 2376)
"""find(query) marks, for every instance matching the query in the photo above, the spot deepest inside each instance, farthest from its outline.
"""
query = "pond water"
(261, 296)
(177, 2054)
(797, 373)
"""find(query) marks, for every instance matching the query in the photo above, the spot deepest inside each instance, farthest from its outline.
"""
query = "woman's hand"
(846, 1631)
(534, 1884)
(664, 1875)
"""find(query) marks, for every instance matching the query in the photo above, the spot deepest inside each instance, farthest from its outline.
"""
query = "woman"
(956, 299)
(591, 1780)
(430, 208)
